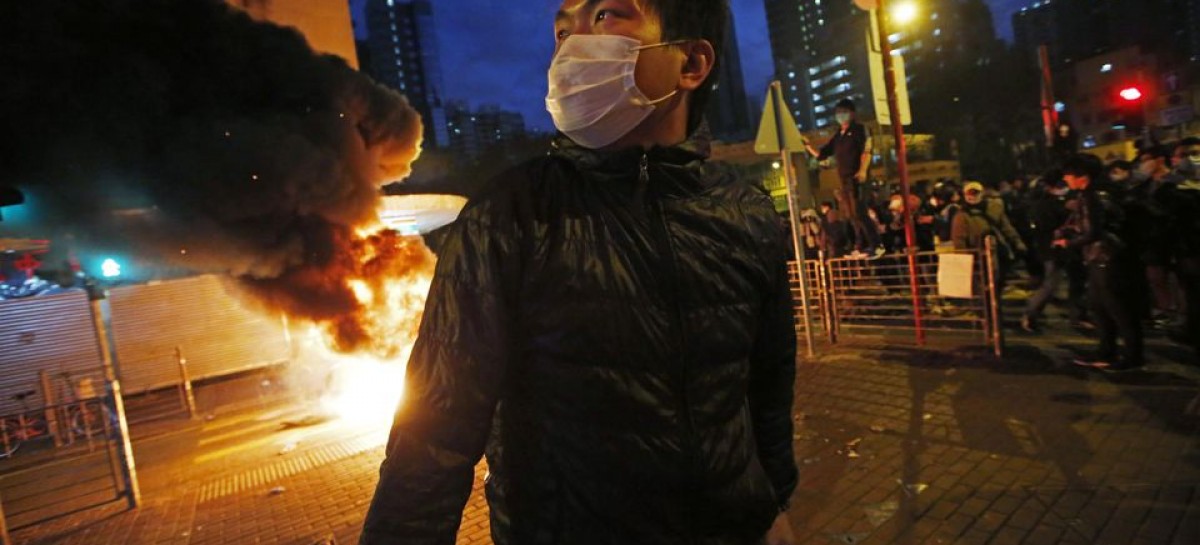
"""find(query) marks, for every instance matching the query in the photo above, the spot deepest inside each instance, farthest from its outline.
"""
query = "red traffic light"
(1131, 94)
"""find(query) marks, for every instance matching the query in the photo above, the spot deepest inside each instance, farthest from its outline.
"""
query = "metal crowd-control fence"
(39, 486)
(49, 486)
(854, 297)
(818, 306)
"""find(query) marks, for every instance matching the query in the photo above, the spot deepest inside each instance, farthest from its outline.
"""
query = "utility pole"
(785, 159)
(889, 79)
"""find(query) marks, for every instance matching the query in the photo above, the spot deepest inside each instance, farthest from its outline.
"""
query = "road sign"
(24, 245)
(778, 134)
(768, 139)
(1178, 115)
(880, 91)
(27, 264)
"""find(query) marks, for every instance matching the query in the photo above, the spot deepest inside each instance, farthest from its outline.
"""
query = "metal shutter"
(52, 333)
(218, 336)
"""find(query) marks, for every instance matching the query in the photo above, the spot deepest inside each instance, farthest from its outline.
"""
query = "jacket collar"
(675, 169)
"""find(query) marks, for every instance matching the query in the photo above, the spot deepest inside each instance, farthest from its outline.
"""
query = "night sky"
(494, 52)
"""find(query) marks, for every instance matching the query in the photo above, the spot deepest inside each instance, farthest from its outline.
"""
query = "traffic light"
(1131, 94)
(1130, 109)
(110, 268)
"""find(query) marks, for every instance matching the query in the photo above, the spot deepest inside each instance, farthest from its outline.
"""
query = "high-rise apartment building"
(1079, 29)
(471, 133)
(403, 50)
(800, 34)
(728, 111)
(1193, 26)
(820, 50)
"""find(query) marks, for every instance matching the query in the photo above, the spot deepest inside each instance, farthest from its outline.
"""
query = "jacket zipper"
(662, 237)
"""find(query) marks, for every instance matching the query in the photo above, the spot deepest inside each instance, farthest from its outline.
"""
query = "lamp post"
(906, 13)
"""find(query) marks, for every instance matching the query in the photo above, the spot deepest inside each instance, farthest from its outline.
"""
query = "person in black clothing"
(610, 322)
(1047, 214)
(896, 239)
(1182, 201)
(837, 234)
(945, 203)
(1121, 173)
(1094, 228)
(1152, 229)
(850, 148)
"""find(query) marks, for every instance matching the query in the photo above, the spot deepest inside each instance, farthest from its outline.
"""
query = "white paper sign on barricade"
(955, 274)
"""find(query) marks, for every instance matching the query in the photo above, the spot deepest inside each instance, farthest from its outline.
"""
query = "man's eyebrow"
(587, 6)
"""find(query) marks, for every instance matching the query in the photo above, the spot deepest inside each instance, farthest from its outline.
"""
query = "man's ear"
(697, 65)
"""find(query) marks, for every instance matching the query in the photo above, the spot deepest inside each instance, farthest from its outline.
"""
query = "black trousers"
(1076, 288)
(1189, 277)
(1114, 312)
(866, 238)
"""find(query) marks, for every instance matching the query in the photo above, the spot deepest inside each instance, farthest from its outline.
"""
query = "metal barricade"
(39, 484)
(872, 298)
(818, 305)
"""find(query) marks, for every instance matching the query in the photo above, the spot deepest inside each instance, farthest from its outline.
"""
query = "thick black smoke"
(224, 144)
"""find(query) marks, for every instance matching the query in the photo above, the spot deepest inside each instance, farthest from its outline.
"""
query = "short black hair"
(1052, 178)
(696, 20)
(1123, 165)
(1190, 141)
(846, 104)
(1083, 164)
(1156, 152)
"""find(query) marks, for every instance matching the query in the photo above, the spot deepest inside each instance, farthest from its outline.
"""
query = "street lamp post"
(910, 238)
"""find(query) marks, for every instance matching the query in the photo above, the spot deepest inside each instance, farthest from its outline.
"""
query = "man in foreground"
(613, 321)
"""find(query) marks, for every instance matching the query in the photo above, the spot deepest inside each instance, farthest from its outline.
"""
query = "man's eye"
(562, 34)
(602, 15)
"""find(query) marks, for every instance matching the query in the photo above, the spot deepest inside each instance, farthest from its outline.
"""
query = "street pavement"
(895, 446)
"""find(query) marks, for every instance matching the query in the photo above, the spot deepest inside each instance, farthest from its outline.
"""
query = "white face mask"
(593, 97)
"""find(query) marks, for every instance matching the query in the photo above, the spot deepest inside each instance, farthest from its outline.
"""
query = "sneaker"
(879, 252)
(1093, 363)
(857, 255)
(1027, 325)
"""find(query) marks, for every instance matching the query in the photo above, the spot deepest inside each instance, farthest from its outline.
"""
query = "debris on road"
(879, 513)
(849, 539)
(277, 491)
(852, 448)
(306, 421)
(912, 490)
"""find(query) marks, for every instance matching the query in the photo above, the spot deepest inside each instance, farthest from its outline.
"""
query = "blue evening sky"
(496, 51)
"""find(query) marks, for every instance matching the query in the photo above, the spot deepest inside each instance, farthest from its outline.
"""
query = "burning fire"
(367, 348)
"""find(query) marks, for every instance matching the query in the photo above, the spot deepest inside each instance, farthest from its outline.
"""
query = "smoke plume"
(222, 144)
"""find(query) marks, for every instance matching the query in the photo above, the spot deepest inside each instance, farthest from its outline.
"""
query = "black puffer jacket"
(617, 328)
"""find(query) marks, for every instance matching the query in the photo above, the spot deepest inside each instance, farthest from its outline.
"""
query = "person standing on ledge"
(850, 149)
(612, 324)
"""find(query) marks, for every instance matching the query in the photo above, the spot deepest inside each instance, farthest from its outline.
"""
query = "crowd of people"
(1124, 237)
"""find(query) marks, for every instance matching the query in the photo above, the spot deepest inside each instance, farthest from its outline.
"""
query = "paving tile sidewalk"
(895, 446)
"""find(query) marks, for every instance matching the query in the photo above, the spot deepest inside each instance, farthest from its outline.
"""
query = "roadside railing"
(853, 298)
